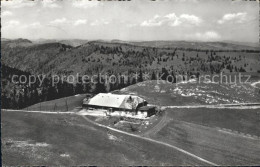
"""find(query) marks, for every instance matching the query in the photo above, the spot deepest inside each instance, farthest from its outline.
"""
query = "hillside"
(69, 140)
(256, 45)
(112, 57)
(194, 93)
(29, 57)
(100, 56)
(198, 45)
(224, 136)
(15, 43)
(17, 92)
(9, 95)
(71, 42)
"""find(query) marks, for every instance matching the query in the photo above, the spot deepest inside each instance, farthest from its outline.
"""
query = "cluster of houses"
(119, 104)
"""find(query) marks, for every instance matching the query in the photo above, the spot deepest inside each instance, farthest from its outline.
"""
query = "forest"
(22, 57)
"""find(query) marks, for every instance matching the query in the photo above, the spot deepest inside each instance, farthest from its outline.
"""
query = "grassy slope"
(196, 45)
(196, 94)
(246, 120)
(191, 129)
(186, 131)
(81, 141)
(86, 57)
(167, 94)
(72, 101)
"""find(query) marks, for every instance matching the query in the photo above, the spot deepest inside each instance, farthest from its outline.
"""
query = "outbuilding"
(147, 110)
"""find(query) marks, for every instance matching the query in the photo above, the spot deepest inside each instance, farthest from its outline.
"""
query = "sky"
(136, 20)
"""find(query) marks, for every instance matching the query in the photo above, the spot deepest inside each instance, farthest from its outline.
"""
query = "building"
(119, 105)
(147, 111)
(115, 102)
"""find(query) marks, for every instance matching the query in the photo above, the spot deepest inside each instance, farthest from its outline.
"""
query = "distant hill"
(22, 56)
(26, 56)
(198, 45)
(194, 93)
(71, 42)
(114, 56)
(251, 44)
(15, 43)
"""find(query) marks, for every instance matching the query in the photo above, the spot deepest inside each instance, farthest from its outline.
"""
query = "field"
(194, 93)
(244, 120)
(49, 139)
(226, 137)
(170, 83)
(62, 104)
(65, 139)
(221, 136)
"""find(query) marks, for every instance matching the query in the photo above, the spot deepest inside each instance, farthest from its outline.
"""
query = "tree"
(5, 101)
(133, 103)
(165, 73)
(79, 87)
(100, 86)
(20, 101)
(86, 86)
(153, 76)
(52, 93)
(35, 96)
(174, 78)
(140, 78)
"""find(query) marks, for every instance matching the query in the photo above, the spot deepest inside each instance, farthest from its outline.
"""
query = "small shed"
(148, 110)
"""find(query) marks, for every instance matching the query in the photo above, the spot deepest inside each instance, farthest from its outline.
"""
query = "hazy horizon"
(177, 20)
(46, 39)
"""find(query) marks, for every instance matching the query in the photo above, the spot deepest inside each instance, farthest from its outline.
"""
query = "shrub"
(133, 128)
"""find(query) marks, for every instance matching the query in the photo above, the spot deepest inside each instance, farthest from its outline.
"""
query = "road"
(153, 141)
(44, 112)
(147, 136)
(164, 120)
(231, 106)
(157, 127)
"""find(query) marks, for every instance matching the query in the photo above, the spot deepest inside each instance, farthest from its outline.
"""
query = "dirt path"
(44, 112)
(231, 106)
(153, 130)
(255, 83)
(164, 120)
(153, 141)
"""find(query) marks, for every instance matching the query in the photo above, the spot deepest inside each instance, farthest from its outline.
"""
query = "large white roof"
(115, 101)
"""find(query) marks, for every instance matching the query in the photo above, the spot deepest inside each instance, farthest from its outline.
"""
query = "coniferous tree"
(165, 73)
(140, 76)
(153, 76)
(100, 86)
